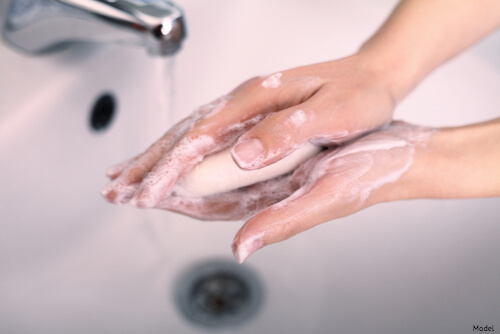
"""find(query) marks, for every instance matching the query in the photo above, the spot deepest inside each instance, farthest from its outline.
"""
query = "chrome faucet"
(41, 26)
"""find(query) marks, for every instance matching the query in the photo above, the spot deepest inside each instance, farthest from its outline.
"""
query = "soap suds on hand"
(298, 118)
(272, 81)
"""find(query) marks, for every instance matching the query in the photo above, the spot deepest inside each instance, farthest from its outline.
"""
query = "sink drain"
(102, 112)
(218, 294)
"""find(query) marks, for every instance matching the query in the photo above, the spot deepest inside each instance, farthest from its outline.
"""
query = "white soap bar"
(219, 173)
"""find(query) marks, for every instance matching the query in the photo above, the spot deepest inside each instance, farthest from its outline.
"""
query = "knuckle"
(250, 84)
(288, 230)
(287, 128)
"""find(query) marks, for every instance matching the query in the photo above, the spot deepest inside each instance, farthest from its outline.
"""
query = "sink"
(72, 263)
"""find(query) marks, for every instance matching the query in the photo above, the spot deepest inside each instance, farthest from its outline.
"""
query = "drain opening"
(102, 113)
(219, 294)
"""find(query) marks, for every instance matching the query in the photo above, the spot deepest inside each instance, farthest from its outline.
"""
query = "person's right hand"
(265, 119)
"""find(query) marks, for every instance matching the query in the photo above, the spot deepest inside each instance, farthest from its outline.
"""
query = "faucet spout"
(40, 26)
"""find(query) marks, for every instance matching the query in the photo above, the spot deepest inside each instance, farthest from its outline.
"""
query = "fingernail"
(126, 194)
(109, 194)
(247, 248)
(138, 202)
(114, 170)
(143, 200)
(105, 191)
(111, 172)
(246, 152)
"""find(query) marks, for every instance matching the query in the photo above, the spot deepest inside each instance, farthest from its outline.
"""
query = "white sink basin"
(72, 263)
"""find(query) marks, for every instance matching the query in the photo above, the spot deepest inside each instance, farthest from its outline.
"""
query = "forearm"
(461, 162)
(422, 34)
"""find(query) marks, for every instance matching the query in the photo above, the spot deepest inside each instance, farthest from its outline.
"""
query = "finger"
(307, 207)
(118, 191)
(182, 157)
(233, 205)
(201, 208)
(272, 139)
(214, 131)
(114, 171)
(250, 102)
(121, 194)
(338, 183)
(324, 118)
(281, 133)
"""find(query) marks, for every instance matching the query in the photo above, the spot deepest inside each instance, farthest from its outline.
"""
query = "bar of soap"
(218, 172)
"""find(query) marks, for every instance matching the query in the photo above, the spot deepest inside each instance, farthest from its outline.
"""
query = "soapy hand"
(263, 120)
(337, 182)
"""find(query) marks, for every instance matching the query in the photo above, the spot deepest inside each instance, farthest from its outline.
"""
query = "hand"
(337, 182)
(265, 119)
(398, 162)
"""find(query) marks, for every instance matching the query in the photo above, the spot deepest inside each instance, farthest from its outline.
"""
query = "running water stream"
(164, 76)
(163, 100)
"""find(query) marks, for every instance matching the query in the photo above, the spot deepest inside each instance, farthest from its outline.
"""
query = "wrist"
(416, 181)
(400, 74)
(461, 162)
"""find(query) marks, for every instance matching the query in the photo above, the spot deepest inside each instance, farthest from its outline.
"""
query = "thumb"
(273, 138)
(283, 132)
(305, 208)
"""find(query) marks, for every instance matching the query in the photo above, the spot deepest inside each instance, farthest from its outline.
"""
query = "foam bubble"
(357, 166)
(184, 156)
(242, 126)
(210, 109)
(298, 118)
(272, 81)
